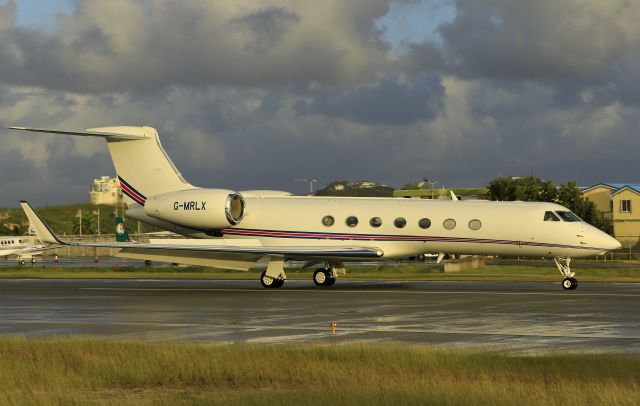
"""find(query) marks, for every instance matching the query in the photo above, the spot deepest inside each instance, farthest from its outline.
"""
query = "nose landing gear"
(564, 266)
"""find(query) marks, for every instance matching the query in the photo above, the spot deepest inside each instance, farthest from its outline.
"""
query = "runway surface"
(504, 315)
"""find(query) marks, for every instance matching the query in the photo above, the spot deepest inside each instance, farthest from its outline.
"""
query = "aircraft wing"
(36, 249)
(229, 248)
(251, 248)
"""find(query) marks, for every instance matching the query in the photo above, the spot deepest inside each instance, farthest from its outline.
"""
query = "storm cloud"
(253, 95)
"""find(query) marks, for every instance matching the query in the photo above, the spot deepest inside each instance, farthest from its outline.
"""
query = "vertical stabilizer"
(143, 167)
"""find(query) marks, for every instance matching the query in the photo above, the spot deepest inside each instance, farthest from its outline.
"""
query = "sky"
(252, 95)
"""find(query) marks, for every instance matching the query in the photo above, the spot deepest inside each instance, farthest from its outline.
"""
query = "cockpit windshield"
(550, 216)
(568, 216)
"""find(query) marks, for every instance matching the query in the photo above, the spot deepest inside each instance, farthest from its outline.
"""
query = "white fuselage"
(17, 246)
(500, 228)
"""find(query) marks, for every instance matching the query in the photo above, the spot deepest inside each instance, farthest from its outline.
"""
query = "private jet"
(21, 247)
(235, 229)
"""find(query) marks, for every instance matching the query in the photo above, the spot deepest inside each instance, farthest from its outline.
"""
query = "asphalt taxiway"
(504, 315)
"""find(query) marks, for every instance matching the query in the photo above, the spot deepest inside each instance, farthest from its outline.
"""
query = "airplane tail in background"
(121, 231)
(143, 167)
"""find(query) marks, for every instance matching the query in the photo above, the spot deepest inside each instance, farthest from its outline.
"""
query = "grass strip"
(585, 273)
(78, 370)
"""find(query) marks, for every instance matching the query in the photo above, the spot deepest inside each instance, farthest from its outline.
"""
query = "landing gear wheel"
(569, 283)
(21, 262)
(320, 277)
(33, 260)
(564, 266)
(269, 282)
(330, 281)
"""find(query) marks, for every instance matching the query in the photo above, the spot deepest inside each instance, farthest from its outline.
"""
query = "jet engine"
(202, 209)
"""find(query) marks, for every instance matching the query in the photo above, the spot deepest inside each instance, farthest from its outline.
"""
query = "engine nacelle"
(202, 209)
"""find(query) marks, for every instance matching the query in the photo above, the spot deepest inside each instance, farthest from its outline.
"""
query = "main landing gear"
(564, 266)
(323, 277)
(327, 276)
(269, 282)
(274, 276)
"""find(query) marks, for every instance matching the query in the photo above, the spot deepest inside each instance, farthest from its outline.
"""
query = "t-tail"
(142, 166)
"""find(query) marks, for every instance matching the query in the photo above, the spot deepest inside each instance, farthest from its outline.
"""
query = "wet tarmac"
(502, 315)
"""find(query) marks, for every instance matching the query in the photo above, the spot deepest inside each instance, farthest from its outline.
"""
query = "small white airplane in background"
(21, 247)
(230, 229)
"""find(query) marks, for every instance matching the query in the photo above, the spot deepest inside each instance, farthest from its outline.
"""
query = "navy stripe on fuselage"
(390, 237)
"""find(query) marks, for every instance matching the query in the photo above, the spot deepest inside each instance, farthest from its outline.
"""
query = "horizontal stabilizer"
(87, 133)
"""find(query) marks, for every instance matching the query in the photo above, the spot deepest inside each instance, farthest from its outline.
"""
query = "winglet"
(44, 233)
(453, 196)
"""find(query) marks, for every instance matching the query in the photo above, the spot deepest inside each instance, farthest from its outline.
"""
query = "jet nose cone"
(612, 244)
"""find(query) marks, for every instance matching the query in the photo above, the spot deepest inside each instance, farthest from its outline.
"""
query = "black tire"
(567, 284)
(320, 277)
(21, 262)
(574, 283)
(278, 283)
(266, 281)
(330, 281)
(147, 262)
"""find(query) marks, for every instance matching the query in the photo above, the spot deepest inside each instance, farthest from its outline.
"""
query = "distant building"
(365, 184)
(620, 203)
(443, 194)
(105, 190)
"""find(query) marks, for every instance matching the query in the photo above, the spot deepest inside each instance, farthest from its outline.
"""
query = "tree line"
(533, 189)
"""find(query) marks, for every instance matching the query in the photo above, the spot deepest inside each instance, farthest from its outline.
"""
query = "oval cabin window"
(449, 224)
(424, 223)
(400, 222)
(475, 224)
(375, 222)
(328, 221)
(352, 221)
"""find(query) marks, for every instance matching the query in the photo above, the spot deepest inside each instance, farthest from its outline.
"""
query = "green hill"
(357, 189)
(64, 221)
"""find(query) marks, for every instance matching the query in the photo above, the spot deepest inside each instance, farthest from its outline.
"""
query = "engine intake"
(234, 208)
(202, 209)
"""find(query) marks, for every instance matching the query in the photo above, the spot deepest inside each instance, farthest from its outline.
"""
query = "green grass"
(586, 272)
(75, 370)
